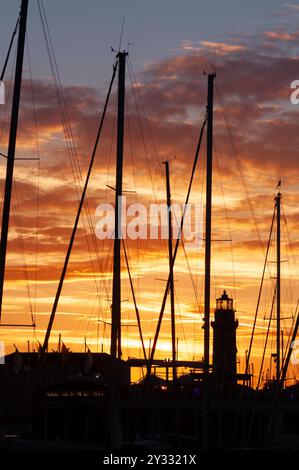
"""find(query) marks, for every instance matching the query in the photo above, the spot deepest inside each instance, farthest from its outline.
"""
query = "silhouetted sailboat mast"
(12, 145)
(75, 226)
(278, 281)
(116, 290)
(208, 231)
(171, 279)
(115, 345)
(196, 402)
(207, 273)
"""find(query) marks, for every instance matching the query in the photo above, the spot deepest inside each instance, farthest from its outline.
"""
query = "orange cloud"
(282, 36)
(222, 47)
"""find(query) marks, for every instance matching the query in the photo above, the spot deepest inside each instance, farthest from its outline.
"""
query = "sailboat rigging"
(199, 405)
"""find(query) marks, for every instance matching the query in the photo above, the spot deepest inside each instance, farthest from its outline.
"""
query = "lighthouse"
(224, 340)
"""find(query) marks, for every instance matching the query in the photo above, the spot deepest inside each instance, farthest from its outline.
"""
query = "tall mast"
(278, 262)
(171, 281)
(208, 259)
(12, 144)
(208, 223)
(74, 230)
(116, 291)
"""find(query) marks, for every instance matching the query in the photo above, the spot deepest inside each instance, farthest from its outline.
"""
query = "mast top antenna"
(278, 188)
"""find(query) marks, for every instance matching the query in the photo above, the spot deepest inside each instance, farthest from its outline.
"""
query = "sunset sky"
(253, 47)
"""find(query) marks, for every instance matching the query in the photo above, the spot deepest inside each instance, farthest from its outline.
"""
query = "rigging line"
(78, 181)
(227, 219)
(38, 174)
(108, 268)
(45, 345)
(179, 315)
(288, 236)
(68, 136)
(145, 148)
(57, 90)
(60, 99)
(134, 300)
(107, 274)
(253, 410)
(142, 134)
(254, 323)
(291, 329)
(152, 351)
(10, 86)
(159, 159)
(20, 241)
(147, 123)
(62, 96)
(121, 33)
(253, 328)
(236, 154)
(289, 285)
(272, 268)
(146, 120)
(9, 48)
(190, 272)
(288, 288)
(127, 119)
(55, 75)
(85, 318)
(90, 306)
(175, 250)
(290, 245)
(260, 293)
(266, 340)
(289, 291)
(199, 283)
(88, 317)
(107, 246)
(97, 298)
(282, 378)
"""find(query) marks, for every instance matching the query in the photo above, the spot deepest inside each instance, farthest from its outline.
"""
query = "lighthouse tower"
(224, 340)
